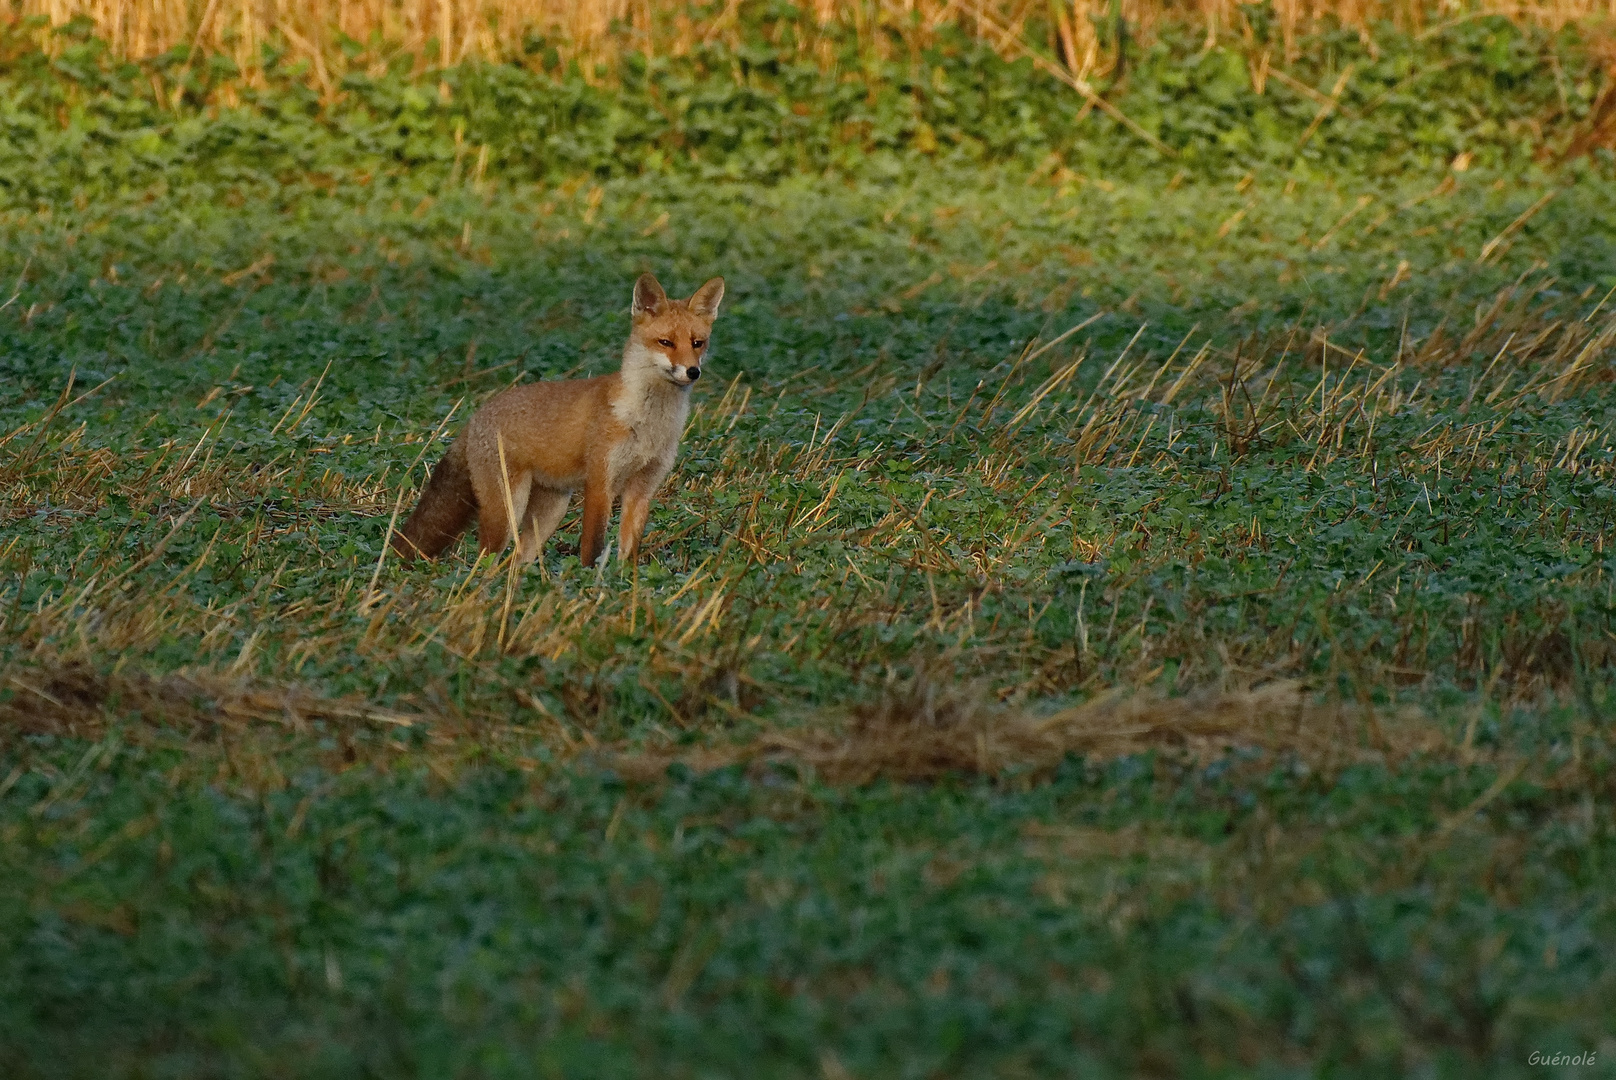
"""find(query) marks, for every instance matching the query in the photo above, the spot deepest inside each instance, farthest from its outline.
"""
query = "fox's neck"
(646, 399)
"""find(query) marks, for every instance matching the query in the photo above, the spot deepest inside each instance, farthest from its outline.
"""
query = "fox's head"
(671, 335)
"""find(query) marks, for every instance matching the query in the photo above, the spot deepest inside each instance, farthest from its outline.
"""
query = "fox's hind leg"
(493, 531)
(493, 517)
(545, 509)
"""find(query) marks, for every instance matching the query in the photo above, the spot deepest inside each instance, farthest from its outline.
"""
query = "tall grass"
(594, 32)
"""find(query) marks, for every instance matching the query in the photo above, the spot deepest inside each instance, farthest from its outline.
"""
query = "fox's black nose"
(694, 373)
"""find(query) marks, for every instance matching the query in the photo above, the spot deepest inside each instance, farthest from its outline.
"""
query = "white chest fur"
(653, 410)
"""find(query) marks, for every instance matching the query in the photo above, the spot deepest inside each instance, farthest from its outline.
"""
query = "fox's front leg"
(636, 510)
(597, 510)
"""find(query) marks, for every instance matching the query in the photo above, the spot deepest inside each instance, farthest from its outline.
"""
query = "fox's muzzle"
(692, 373)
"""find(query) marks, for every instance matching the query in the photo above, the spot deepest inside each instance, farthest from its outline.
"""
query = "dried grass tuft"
(918, 730)
(923, 730)
(76, 700)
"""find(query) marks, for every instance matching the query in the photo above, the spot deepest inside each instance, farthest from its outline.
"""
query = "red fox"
(615, 436)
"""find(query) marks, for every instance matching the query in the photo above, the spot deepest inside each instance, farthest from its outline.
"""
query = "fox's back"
(546, 427)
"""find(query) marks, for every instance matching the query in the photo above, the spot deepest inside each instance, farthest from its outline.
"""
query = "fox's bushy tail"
(445, 510)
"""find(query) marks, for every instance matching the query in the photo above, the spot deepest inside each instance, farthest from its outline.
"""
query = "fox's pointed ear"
(648, 296)
(707, 298)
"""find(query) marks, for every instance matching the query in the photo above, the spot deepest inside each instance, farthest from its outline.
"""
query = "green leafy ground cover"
(270, 810)
(775, 104)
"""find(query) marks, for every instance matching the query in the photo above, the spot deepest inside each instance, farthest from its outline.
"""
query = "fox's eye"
(696, 343)
(665, 343)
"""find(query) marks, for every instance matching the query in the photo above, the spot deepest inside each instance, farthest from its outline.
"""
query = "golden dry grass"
(450, 31)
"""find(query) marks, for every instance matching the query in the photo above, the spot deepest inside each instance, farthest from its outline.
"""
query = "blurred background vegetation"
(331, 34)
(526, 90)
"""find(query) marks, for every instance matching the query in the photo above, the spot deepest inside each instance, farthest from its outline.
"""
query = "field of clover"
(1115, 613)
